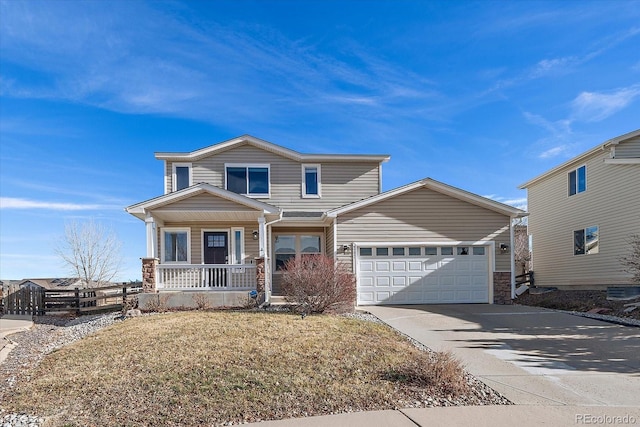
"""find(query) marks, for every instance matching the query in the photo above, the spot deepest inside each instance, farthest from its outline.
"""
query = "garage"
(439, 273)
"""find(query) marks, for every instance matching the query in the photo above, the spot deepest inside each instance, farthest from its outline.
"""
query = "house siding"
(340, 180)
(206, 202)
(611, 202)
(629, 149)
(424, 215)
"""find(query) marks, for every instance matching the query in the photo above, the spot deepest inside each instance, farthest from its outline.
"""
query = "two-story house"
(582, 214)
(234, 213)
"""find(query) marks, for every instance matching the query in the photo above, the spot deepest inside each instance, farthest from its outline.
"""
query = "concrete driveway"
(532, 356)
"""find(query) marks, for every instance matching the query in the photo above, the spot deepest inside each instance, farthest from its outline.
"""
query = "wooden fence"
(39, 301)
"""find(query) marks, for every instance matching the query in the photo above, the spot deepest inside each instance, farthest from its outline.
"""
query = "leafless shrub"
(201, 301)
(443, 372)
(158, 305)
(315, 284)
(130, 303)
(248, 302)
(631, 262)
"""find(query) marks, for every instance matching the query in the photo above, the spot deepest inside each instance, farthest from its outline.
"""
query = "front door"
(216, 251)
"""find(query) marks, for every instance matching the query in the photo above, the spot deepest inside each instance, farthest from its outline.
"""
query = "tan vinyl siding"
(611, 202)
(342, 183)
(328, 238)
(424, 215)
(250, 246)
(206, 202)
(629, 149)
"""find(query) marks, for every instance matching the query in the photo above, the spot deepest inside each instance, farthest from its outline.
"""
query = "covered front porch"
(206, 239)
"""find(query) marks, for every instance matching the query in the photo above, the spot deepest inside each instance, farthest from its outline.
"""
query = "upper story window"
(250, 180)
(311, 181)
(181, 176)
(577, 180)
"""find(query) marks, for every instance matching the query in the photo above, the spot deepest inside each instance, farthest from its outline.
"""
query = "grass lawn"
(210, 368)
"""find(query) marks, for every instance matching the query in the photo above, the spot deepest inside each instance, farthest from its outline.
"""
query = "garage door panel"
(415, 265)
(383, 266)
(420, 279)
(399, 266)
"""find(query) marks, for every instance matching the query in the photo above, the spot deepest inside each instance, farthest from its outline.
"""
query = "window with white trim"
(291, 246)
(586, 241)
(237, 245)
(578, 180)
(311, 181)
(250, 180)
(176, 244)
(181, 176)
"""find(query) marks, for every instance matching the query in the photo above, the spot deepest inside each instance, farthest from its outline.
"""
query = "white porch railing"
(206, 277)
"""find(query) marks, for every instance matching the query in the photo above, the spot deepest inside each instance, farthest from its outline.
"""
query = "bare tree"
(91, 252)
(631, 262)
(521, 251)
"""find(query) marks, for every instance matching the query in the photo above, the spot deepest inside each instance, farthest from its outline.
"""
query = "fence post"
(124, 296)
(77, 301)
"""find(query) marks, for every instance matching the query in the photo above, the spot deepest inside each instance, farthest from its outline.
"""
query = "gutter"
(267, 260)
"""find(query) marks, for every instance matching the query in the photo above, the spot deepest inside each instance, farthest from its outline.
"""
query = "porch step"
(277, 300)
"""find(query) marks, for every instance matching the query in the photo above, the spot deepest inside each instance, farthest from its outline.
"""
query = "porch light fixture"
(255, 234)
(345, 249)
(504, 248)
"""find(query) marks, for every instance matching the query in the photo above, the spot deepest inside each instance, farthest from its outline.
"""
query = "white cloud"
(594, 106)
(18, 203)
(553, 152)
(519, 202)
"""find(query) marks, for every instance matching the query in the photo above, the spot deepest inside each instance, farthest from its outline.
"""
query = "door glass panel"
(415, 252)
(463, 250)
(478, 250)
(398, 251)
(285, 249)
(219, 241)
(366, 251)
(431, 250)
(382, 251)
(310, 244)
(237, 238)
(446, 250)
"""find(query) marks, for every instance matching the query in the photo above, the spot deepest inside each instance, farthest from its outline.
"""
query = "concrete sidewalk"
(477, 416)
(11, 324)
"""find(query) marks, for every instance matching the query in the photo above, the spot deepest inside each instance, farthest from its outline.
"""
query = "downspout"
(512, 257)
(267, 260)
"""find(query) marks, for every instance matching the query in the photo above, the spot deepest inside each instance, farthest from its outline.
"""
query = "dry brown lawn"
(210, 368)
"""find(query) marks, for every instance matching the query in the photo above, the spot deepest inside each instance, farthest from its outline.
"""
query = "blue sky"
(481, 95)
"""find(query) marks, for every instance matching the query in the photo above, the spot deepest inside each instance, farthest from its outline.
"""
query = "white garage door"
(423, 274)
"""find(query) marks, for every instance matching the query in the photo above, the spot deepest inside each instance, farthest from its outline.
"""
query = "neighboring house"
(232, 214)
(582, 214)
(60, 283)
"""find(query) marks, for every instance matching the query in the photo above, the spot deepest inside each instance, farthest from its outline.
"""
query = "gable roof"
(140, 209)
(267, 146)
(434, 185)
(580, 158)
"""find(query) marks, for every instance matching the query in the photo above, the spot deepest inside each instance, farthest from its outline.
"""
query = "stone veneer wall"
(149, 274)
(502, 288)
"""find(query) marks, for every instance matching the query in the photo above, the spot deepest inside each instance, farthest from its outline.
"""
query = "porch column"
(262, 236)
(149, 269)
(152, 238)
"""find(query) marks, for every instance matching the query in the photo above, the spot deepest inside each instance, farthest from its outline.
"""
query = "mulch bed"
(582, 301)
